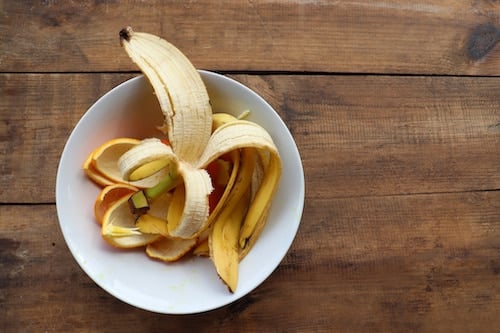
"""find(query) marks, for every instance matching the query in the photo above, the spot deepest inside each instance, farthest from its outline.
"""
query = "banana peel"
(261, 203)
(119, 229)
(109, 195)
(225, 231)
(201, 249)
(169, 249)
(196, 138)
(223, 241)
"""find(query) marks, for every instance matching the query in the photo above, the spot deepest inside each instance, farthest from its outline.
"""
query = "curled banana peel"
(101, 165)
(180, 91)
(223, 241)
(185, 104)
(196, 138)
(108, 196)
(119, 229)
(169, 249)
(224, 234)
(146, 158)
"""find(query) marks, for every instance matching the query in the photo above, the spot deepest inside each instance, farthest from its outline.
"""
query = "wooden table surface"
(395, 108)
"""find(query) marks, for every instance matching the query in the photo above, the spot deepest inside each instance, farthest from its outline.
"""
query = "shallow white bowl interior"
(190, 285)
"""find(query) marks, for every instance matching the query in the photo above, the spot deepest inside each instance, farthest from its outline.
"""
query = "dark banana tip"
(125, 34)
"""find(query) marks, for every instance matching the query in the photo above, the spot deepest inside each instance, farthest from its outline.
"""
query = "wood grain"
(394, 36)
(394, 106)
(414, 263)
(37, 114)
(368, 135)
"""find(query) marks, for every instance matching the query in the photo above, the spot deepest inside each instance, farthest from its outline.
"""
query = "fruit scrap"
(100, 165)
(201, 249)
(170, 249)
(119, 229)
(214, 176)
(108, 196)
(139, 201)
(224, 234)
(150, 224)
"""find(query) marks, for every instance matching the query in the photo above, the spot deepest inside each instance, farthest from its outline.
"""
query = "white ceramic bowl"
(190, 285)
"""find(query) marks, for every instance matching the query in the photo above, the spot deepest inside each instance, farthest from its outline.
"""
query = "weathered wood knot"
(482, 40)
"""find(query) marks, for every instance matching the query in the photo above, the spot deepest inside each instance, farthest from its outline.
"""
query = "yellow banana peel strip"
(181, 93)
(261, 203)
(189, 209)
(224, 234)
(223, 240)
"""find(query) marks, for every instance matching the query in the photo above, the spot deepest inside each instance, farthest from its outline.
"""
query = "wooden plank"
(365, 135)
(391, 36)
(426, 263)
(37, 114)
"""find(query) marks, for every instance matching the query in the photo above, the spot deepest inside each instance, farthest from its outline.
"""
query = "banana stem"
(139, 202)
(166, 184)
